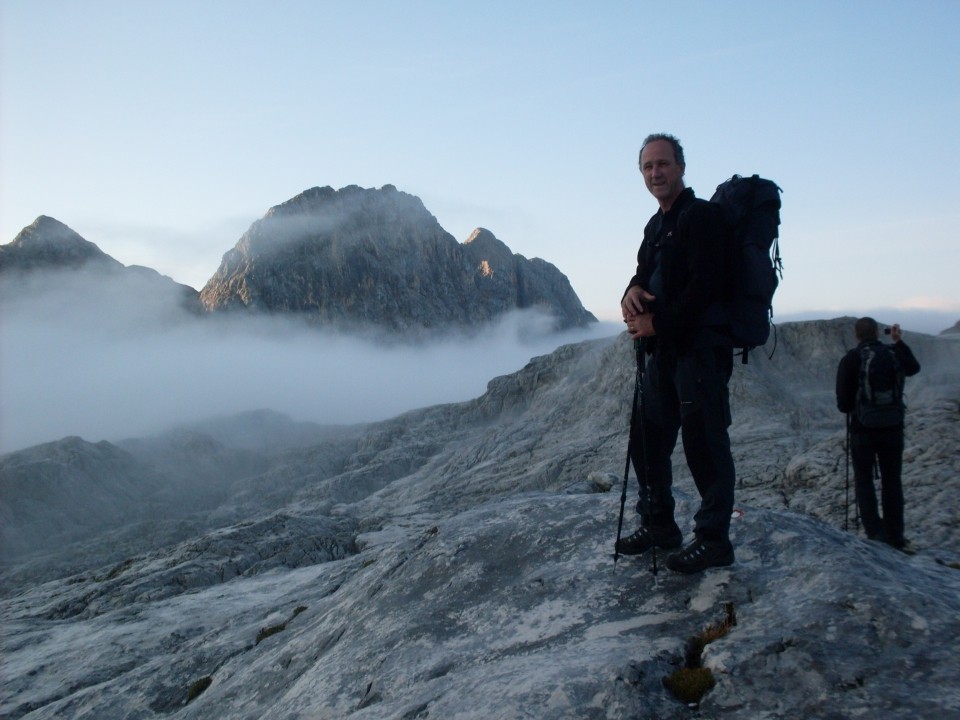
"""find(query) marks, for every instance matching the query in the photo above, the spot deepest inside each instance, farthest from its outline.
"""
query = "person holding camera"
(869, 390)
(673, 304)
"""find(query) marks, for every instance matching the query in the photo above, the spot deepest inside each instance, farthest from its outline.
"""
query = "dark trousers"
(885, 447)
(686, 393)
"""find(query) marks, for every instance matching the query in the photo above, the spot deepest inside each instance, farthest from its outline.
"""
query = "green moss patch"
(198, 687)
(689, 685)
(691, 682)
(266, 632)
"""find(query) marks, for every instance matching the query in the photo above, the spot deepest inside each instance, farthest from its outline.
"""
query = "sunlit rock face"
(363, 258)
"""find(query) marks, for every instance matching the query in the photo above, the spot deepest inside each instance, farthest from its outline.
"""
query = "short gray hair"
(677, 147)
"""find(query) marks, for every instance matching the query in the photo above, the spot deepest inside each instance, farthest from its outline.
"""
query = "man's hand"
(634, 302)
(640, 326)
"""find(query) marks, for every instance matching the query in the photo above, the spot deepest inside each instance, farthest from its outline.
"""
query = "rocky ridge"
(455, 562)
(365, 258)
(49, 257)
(49, 244)
(362, 260)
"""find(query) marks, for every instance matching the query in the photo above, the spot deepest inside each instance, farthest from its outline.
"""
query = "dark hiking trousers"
(885, 445)
(686, 393)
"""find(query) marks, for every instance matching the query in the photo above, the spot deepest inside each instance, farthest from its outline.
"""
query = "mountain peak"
(49, 244)
(360, 258)
(349, 199)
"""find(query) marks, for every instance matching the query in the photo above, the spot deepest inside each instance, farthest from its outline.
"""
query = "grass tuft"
(689, 685)
(198, 688)
(266, 632)
(691, 682)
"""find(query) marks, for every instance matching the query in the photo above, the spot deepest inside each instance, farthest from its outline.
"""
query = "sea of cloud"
(113, 359)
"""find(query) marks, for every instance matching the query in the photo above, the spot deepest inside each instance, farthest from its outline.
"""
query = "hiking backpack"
(751, 212)
(879, 401)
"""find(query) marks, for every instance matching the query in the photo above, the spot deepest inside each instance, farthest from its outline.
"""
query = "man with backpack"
(870, 381)
(674, 305)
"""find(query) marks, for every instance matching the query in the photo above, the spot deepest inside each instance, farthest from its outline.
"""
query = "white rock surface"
(456, 563)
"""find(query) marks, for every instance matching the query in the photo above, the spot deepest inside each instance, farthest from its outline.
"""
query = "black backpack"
(751, 212)
(880, 388)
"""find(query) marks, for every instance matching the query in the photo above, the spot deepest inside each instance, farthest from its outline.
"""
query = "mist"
(109, 359)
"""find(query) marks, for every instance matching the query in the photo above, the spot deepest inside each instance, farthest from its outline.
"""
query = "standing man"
(674, 304)
(875, 426)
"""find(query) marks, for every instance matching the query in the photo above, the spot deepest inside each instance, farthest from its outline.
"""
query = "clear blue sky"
(162, 130)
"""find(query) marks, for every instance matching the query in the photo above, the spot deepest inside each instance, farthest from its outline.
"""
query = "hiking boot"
(903, 546)
(700, 555)
(663, 536)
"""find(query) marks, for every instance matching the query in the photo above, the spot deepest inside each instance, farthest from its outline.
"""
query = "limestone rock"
(364, 258)
(456, 562)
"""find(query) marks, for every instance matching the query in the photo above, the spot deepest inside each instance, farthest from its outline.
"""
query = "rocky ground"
(456, 562)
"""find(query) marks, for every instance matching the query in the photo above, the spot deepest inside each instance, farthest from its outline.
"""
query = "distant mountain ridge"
(953, 330)
(354, 258)
(49, 244)
(359, 257)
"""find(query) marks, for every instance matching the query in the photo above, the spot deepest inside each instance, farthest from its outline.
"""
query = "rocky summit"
(48, 257)
(367, 261)
(48, 244)
(455, 561)
(365, 258)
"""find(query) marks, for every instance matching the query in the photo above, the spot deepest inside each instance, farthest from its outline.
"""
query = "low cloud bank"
(107, 361)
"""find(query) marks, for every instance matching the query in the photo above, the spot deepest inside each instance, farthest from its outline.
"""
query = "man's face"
(661, 173)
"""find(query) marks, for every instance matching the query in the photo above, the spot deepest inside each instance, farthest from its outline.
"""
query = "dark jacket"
(688, 245)
(848, 377)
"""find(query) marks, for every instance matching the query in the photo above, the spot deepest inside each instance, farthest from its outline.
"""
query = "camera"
(886, 331)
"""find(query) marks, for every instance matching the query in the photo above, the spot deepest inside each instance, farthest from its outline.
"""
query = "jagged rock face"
(358, 258)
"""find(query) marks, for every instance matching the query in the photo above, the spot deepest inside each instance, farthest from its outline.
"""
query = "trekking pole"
(856, 502)
(626, 470)
(646, 491)
(846, 452)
